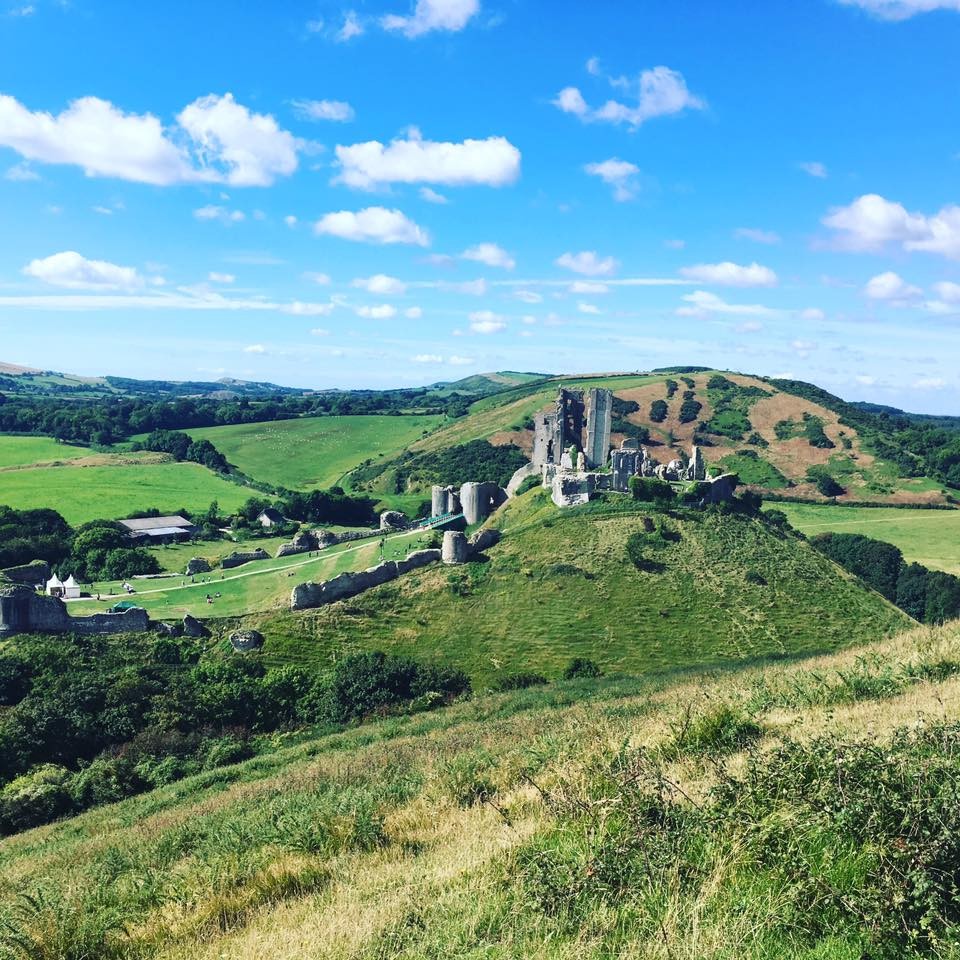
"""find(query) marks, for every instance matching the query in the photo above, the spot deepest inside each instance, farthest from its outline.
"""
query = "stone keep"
(599, 420)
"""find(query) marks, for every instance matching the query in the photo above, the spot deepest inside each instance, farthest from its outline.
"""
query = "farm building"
(159, 529)
(271, 517)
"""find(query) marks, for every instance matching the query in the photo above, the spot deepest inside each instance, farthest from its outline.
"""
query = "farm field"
(930, 537)
(314, 452)
(16, 451)
(258, 586)
(117, 487)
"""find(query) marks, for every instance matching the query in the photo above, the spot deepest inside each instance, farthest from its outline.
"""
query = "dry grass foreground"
(423, 836)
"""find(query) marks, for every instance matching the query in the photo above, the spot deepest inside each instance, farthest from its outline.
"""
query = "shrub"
(658, 411)
(828, 486)
(721, 728)
(581, 667)
(690, 408)
(650, 489)
(519, 681)
(36, 797)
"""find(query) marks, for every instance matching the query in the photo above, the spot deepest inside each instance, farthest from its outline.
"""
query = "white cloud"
(570, 100)
(618, 174)
(255, 348)
(430, 15)
(588, 308)
(757, 236)
(21, 173)
(702, 304)
(290, 220)
(27, 10)
(315, 26)
(75, 272)
(427, 358)
(431, 196)
(241, 148)
(221, 214)
(383, 311)
(588, 263)
(493, 162)
(320, 332)
(815, 169)
(413, 313)
(812, 315)
(460, 361)
(729, 274)
(489, 254)
(322, 279)
(337, 110)
(103, 211)
(528, 296)
(871, 223)
(380, 284)
(674, 244)
(216, 140)
(929, 383)
(588, 286)
(486, 322)
(372, 225)
(902, 9)
(215, 277)
(352, 27)
(891, 287)
(947, 291)
(659, 92)
(300, 309)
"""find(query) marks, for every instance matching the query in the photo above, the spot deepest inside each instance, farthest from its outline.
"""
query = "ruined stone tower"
(599, 419)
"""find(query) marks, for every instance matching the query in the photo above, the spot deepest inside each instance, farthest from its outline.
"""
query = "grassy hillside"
(23, 451)
(778, 812)
(313, 452)
(930, 537)
(259, 586)
(111, 485)
(774, 438)
(717, 589)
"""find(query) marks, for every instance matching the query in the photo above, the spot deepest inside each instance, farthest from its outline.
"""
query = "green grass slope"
(561, 584)
(595, 819)
(313, 452)
(18, 451)
(116, 487)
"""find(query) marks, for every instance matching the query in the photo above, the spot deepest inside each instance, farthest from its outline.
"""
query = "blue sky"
(396, 192)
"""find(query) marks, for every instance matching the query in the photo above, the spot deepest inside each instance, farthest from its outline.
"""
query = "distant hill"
(29, 382)
(484, 384)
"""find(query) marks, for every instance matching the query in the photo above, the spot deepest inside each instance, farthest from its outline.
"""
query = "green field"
(22, 451)
(117, 489)
(258, 586)
(314, 452)
(930, 537)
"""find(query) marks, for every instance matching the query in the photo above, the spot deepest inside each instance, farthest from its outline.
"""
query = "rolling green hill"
(715, 589)
(778, 435)
(313, 452)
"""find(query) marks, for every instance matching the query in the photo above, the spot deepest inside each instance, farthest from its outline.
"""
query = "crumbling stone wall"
(237, 559)
(22, 610)
(30, 574)
(599, 422)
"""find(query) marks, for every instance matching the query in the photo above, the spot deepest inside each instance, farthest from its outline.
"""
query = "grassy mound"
(699, 588)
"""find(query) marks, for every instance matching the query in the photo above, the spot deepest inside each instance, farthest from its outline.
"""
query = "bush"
(650, 489)
(35, 798)
(521, 680)
(828, 486)
(721, 728)
(659, 411)
(579, 668)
